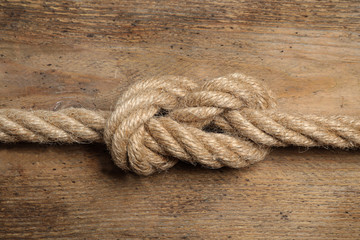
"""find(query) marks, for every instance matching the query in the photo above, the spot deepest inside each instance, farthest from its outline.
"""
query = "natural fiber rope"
(228, 121)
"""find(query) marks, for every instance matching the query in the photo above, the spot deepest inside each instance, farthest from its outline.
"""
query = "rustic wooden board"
(57, 54)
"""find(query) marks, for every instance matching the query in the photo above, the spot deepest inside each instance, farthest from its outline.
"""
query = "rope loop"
(158, 121)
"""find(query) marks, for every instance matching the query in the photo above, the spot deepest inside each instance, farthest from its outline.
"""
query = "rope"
(228, 121)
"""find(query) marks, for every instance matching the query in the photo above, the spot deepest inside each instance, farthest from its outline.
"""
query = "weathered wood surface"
(56, 54)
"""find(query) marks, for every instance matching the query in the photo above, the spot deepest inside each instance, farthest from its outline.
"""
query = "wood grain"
(57, 54)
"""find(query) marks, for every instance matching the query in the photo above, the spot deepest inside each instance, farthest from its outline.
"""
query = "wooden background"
(57, 54)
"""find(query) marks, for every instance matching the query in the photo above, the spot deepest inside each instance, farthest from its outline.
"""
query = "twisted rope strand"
(162, 120)
(269, 128)
(72, 125)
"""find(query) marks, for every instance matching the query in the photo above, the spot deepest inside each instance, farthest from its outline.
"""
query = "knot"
(162, 120)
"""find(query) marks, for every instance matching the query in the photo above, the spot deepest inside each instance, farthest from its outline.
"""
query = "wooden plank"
(58, 54)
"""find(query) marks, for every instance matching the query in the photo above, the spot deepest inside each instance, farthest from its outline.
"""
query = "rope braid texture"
(228, 121)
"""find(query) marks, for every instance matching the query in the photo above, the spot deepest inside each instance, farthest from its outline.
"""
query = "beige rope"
(228, 121)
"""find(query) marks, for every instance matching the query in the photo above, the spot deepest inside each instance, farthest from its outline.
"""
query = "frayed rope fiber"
(228, 121)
